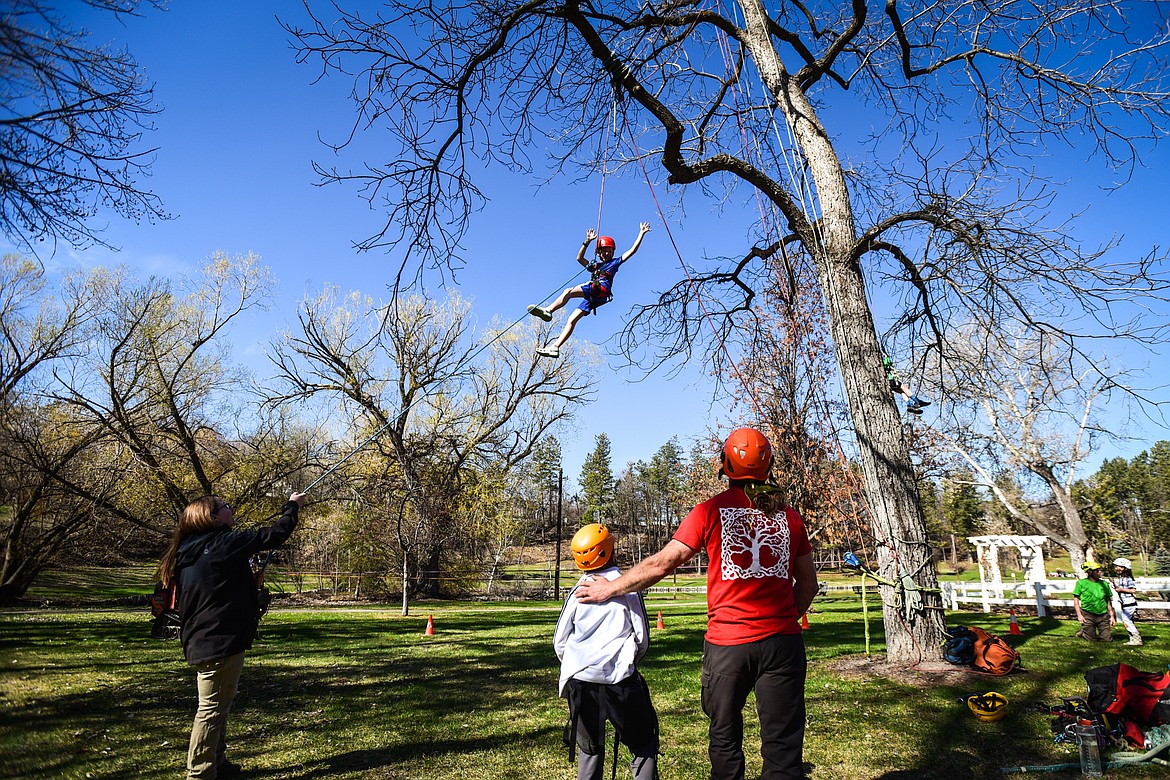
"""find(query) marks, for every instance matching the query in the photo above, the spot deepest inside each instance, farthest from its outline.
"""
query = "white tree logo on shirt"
(753, 544)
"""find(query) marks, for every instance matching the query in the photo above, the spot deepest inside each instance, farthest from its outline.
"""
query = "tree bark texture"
(895, 513)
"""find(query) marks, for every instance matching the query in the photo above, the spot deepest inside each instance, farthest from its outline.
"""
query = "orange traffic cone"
(660, 625)
(430, 626)
(804, 621)
(1015, 628)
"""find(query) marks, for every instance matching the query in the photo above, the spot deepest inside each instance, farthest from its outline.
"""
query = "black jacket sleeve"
(218, 607)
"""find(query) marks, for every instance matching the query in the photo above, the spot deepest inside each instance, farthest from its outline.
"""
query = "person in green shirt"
(1094, 603)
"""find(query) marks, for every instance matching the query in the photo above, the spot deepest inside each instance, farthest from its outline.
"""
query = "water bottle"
(1090, 749)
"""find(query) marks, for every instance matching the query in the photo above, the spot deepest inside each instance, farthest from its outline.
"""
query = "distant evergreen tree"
(1162, 562)
(597, 482)
(961, 505)
(541, 482)
(1122, 549)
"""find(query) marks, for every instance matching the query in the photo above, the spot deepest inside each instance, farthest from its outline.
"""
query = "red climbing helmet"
(605, 242)
(747, 454)
(592, 547)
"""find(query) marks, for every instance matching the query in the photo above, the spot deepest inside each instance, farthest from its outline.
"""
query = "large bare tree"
(72, 116)
(883, 144)
(440, 409)
(1029, 407)
(39, 518)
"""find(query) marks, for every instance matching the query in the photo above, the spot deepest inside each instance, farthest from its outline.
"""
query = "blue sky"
(236, 139)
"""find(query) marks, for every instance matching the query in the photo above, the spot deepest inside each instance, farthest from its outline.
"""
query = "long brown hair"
(197, 517)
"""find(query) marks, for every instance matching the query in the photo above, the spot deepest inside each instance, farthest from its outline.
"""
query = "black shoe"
(228, 769)
(914, 410)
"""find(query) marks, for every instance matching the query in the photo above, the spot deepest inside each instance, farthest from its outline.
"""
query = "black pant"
(625, 704)
(775, 669)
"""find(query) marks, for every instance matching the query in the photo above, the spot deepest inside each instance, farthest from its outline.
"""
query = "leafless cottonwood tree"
(901, 130)
(178, 420)
(72, 116)
(445, 408)
(1035, 410)
(39, 327)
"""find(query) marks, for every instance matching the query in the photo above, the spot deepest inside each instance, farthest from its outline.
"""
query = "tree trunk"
(891, 491)
(405, 586)
(1077, 542)
(15, 580)
(11, 593)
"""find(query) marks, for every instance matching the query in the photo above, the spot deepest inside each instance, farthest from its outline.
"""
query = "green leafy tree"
(127, 411)
(664, 479)
(541, 483)
(597, 483)
(178, 420)
(1156, 498)
(961, 504)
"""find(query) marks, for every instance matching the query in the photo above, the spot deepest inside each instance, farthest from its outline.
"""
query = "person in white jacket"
(599, 646)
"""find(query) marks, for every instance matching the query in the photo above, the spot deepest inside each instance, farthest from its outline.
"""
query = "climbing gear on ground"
(959, 646)
(989, 707)
(992, 654)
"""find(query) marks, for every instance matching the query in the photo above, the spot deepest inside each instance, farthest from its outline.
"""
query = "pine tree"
(961, 505)
(1162, 562)
(597, 482)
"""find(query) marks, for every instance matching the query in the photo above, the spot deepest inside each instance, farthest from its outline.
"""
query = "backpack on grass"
(164, 605)
(1120, 689)
(992, 654)
(959, 646)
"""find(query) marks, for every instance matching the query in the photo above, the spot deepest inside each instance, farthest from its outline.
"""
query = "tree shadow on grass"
(953, 743)
(405, 755)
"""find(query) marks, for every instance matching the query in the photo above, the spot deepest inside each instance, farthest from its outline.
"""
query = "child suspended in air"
(595, 293)
(914, 404)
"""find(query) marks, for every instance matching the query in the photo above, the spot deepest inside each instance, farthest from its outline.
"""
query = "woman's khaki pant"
(217, 682)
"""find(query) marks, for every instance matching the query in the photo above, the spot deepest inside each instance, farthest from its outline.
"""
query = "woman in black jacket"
(218, 611)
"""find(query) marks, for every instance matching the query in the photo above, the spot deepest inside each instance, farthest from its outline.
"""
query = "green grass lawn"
(93, 585)
(361, 693)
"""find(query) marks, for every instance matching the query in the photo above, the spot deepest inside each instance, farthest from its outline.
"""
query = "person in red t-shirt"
(760, 580)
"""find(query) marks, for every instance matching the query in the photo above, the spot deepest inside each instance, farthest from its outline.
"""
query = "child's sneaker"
(914, 409)
(551, 352)
(536, 311)
(916, 401)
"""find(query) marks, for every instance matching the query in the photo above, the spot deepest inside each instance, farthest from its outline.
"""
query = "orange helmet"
(747, 454)
(604, 242)
(592, 547)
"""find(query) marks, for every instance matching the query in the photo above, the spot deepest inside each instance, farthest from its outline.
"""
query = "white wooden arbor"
(988, 547)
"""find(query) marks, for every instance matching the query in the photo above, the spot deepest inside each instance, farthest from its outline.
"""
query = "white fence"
(1042, 595)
